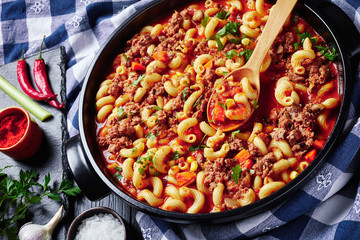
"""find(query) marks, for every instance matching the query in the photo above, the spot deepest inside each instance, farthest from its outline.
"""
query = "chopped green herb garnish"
(151, 135)
(141, 170)
(223, 105)
(225, 73)
(236, 173)
(156, 174)
(325, 52)
(304, 35)
(234, 133)
(296, 46)
(117, 168)
(133, 149)
(219, 43)
(255, 104)
(192, 148)
(121, 113)
(222, 14)
(176, 155)
(235, 40)
(141, 77)
(229, 28)
(230, 54)
(252, 171)
(197, 102)
(118, 176)
(247, 54)
(126, 57)
(184, 93)
(205, 21)
(157, 108)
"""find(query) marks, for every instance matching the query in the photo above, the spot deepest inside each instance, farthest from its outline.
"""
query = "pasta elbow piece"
(211, 155)
(247, 197)
(184, 126)
(297, 58)
(156, 184)
(217, 195)
(128, 168)
(198, 197)
(150, 198)
(269, 188)
(159, 159)
(132, 152)
(200, 177)
(172, 204)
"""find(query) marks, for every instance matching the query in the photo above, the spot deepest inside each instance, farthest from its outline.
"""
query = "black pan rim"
(238, 213)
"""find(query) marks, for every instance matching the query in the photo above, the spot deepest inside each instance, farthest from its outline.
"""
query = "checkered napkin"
(327, 207)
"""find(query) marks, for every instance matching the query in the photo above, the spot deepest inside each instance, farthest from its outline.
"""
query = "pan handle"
(85, 176)
(342, 24)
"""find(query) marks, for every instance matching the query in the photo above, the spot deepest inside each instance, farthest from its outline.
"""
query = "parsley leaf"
(118, 169)
(205, 21)
(197, 102)
(192, 148)
(234, 133)
(121, 113)
(184, 93)
(219, 43)
(296, 46)
(126, 57)
(151, 135)
(229, 28)
(255, 104)
(325, 52)
(230, 54)
(223, 105)
(304, 35)
(247, 54)
(235, 40)
(176, 155)
(141, 77)
(236, 173)
(118, 176)
(222, 14)
(225, 73)
(141, 170)
(157, 108)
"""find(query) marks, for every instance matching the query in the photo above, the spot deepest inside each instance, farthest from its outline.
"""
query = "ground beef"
(278, 134)
(119, 143)
(236, 144)
(124, 128)
(174, 23)
(131, 107)
(218, 171)
(263, 165)
(139, 44)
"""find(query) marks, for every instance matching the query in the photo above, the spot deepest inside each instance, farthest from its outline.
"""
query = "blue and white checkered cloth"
(327, 207)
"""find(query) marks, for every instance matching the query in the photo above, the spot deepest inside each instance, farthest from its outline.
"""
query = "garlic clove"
(30, 231)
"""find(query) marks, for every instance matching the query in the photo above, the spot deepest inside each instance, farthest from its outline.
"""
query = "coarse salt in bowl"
(97, 223)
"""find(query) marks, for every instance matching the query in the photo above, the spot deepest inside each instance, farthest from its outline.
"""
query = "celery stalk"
(24, 100)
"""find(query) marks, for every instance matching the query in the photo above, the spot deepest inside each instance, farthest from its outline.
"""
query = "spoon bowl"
(233, 118)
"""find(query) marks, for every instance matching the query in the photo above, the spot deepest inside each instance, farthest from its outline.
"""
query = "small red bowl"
(30, 141)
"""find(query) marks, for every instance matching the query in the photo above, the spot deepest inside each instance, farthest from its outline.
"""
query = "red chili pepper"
(41, 79)
(25, 84)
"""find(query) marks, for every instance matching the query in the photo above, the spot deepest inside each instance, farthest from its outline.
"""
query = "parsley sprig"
(222, 14)
(16, 196)
(141, 77)
(236, 173)
(331, 55)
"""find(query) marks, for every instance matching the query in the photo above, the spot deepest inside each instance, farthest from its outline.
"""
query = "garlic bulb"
(31, 231)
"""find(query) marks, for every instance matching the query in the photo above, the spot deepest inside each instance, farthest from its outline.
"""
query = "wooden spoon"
(278, 15)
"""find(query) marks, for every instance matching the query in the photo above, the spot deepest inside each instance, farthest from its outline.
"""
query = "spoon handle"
(278, 15)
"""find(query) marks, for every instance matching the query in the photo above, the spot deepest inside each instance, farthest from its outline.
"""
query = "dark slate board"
(50, 157)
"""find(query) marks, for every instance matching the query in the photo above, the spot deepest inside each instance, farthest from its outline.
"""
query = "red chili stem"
(41, 80)
(25, 84)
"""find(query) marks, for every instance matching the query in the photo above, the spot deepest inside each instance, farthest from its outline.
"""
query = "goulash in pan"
(152, 119)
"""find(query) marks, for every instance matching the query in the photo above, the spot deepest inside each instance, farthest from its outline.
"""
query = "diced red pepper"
(185, 178)
(137, 66)
(219, 113)
(209, 64)
(243, 158)
(310, 156)
(319, 144)
(161, 56)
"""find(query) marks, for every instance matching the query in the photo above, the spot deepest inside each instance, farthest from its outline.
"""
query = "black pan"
(85, 159)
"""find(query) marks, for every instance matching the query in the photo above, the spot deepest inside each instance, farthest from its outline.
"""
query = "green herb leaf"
(255, 104)
(219, 43)
(223, 105)
(205, 21)
(236, 173)
(234, 133)
(247, 54)
(235, 40)
(304, 35)
(141, 170)
(229, 28)
(193, 148)
(126, 57)
(222, 14)
(176, 155)
(225, 73)
(296, 46)
(197, 102)
(118, 176)
(117, 168)
(156, 174)
(325, 52)
(141, 77)
(230, 54)
(184, 93)
(252, 171)
(121, 113)
(157, 108)
(151, 135)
